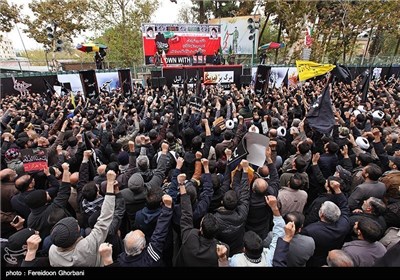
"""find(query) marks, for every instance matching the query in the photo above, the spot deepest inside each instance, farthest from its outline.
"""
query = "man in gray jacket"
(69, 248)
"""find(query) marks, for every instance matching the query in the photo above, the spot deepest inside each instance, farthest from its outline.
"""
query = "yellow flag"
(73, 100)
(250, 174)
(309, 69)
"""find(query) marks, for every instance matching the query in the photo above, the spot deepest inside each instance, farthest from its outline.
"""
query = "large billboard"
(179, 41)
(235, 34)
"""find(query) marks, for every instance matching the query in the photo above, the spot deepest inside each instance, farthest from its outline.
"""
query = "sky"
(166, 13)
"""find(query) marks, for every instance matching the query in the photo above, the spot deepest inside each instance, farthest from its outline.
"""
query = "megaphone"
(229, 124)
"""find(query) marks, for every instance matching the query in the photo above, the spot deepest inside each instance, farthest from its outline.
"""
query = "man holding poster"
(34, 160)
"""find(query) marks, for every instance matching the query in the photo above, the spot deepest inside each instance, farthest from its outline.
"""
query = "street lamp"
(253, 26)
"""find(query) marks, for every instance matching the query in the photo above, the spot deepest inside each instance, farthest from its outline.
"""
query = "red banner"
(34, 159)
(181, 45)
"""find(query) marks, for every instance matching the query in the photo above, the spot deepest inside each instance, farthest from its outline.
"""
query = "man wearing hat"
(69, 248)
(13, 160)
(37, 200)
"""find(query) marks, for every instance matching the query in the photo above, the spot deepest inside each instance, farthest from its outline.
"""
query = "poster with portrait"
(235, 34)
(214, 32)
(107, 81)
(179, 42)
(277, 76)
(293, 77)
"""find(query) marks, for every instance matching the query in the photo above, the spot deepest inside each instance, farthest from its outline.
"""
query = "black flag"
(262, 79)
(177, 110)
(238, 153)
(49, 90)
(321, 117)
(342, 73)
(286, 79)
(364, 85)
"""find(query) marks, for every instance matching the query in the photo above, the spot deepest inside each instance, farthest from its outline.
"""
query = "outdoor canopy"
(90, 47)
(271, 45)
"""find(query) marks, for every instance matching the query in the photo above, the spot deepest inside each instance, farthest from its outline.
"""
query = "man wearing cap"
(13, 160)
(37, 200)
(69, 248)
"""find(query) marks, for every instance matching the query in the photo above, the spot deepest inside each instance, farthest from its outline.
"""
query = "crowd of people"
(147, 179)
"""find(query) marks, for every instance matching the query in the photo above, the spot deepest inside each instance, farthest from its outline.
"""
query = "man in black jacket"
(199, 247)
(41, 210)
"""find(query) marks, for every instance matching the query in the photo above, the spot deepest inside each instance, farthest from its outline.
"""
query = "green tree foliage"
(67, 15)
(336, 25)
(9, 15)
(203, 10)
(186, 15)
(120, 22)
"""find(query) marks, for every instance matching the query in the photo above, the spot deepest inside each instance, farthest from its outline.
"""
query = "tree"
(120, 22)
(9, 15)
(217, 9)
(66, 18)
(186, 15)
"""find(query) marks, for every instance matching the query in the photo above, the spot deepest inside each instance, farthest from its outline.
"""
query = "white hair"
(330, 211)
(134, 243)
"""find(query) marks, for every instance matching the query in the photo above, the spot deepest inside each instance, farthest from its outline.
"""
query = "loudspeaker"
(125, 80)
(155, 82)
(246, 71)
(245, 79)
(155, 73)
(262, 79)
(158, 82)
(162, 81)
(89, 83)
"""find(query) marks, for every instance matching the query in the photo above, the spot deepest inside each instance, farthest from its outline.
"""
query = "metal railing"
(19, 68)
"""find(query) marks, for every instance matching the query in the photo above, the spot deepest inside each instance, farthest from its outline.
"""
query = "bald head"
(134, 242)
(263, 171)
(24, 183)
(339, 258)
(260, 186)
(8, 175)
(101, 170)
(273, 133)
